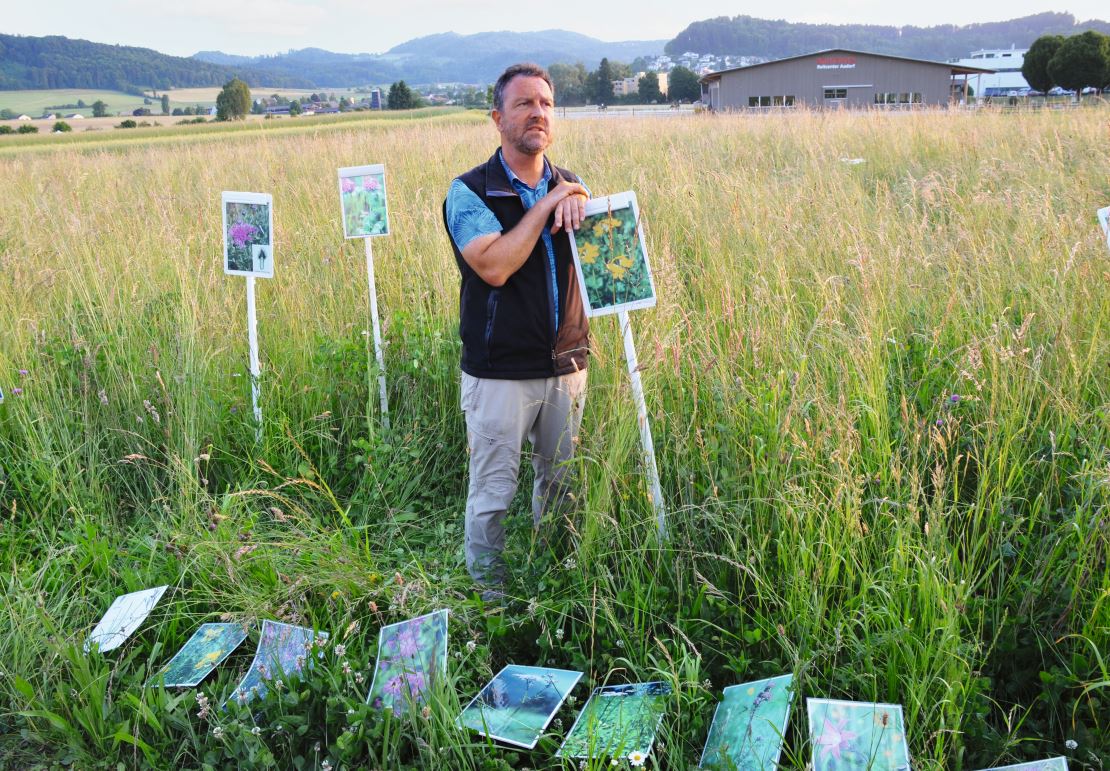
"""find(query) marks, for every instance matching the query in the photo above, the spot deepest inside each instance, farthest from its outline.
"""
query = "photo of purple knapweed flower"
(248, 227)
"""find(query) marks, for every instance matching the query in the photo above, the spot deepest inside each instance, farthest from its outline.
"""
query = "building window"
(764, 101)
(753, 101)
(836, 93)
(789, 100)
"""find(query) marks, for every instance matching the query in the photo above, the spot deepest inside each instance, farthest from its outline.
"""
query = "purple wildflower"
(24, 372)
(348, 185)
(17, 391)
(241, 233)
(369, 184)
(407, 644)
(954, 398)
(940, 422)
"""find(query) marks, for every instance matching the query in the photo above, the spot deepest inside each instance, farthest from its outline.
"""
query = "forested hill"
(60, 62)
(774, 39)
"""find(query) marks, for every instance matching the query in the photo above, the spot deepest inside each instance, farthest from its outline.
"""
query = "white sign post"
(363, 205)
(614, 276)
(248, 225)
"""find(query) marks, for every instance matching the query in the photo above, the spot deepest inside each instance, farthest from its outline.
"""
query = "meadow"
(879, 395)
(34, 102)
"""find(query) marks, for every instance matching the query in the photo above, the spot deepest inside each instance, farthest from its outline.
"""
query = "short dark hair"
(526, 69)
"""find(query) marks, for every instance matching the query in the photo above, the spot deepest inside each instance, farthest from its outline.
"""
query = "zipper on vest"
(491, 315)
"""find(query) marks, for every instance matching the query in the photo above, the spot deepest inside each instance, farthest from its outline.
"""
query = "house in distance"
(837, 78)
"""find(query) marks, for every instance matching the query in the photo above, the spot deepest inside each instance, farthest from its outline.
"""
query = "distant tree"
(295, 107)
(1035, 67)
(6, 114)
(62, 126)
(234, 101)
(6, 130)
(400, 96)
(177, 112)
(1081, 60)
(344, 103)
(603, 83)
(81, 103)
(127, 124)
(165, 104)
(683, 86)
(26, 129)
(649, 88)
(570, 83)
(99, 108)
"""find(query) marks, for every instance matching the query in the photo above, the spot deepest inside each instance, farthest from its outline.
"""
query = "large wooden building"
(837, 78)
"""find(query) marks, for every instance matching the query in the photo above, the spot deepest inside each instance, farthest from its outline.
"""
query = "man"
(521, 318)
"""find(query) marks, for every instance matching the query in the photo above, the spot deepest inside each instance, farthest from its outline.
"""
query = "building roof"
(957, 69)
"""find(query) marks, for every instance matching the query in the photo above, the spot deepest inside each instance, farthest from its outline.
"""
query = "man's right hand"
(570, 205)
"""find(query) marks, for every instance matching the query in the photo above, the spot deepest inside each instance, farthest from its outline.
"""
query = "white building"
(1007, 79)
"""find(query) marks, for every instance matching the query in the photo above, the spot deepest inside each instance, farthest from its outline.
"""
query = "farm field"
(878, 391)
(207, 96)
(34, 102)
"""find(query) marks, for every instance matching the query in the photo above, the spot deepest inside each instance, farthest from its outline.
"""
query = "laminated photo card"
(857, 736)
(283, 652)
(123, 617)
(610, 257)
(363, 202)
(1052, 764)
(749, 725)
(248, 234)
(1104, 221)
(619, 721)
(204, 651)
(518, 704)
(411, 654)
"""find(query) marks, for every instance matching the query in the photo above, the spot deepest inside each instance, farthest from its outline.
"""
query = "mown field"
(34, 102)
(879, 394)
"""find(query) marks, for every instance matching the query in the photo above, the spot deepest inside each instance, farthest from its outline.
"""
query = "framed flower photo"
(517, 705)
(126, 614)
(283, 652)
(1052, 764)
(248, 220)
(749, 725)
(857, 736)
(610, 257)
(411, 655)
(204, 651)
(363, 202)
(618, 721)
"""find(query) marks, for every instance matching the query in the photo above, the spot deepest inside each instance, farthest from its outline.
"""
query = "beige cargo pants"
(500, 415)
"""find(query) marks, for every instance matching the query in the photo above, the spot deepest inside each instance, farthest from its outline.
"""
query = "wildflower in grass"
(300, 661)
(17, 391)
(241, 233)
(1071, 744)
(954, 398)
(325, 766)
(569, 563)
(559, 633)
(636, 758)
(360, 678)
(614, 762)
(103, 396)
(346, 668)
(588, 253)
(256, 731)
(217, 732)
(470, 646)
(341, 651)
(24, 373)
(426, 712)
(348, 185)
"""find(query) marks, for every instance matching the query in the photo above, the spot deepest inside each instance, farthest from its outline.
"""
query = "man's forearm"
(507, 252)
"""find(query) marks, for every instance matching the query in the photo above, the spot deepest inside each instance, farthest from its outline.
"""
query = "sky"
(253, 27)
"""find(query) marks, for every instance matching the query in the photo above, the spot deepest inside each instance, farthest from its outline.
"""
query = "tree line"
(1073, 63)
(575, 85)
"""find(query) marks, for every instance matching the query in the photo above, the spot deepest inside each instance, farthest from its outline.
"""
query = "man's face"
(528, 111)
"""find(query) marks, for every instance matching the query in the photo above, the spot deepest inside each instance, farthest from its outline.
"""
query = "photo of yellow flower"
(611, 258)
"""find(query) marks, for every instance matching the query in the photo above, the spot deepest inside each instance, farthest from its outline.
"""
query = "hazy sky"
(252, 27)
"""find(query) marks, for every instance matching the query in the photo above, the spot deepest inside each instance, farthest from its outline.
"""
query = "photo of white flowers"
(248, 227)
(125, 615)
(1104, 220)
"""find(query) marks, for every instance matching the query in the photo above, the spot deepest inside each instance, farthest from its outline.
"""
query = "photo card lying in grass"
(749, 725)
(248, 234)
(1052, 764)
(1104, 220)
(857, 735)
(362, 201)
(411, 654)
(124, 616)
(619, 721)
(284, 650)
(610, 257)
(517, 705)
(204, 651)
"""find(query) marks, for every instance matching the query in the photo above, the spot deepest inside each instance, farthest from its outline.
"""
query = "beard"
(529, 142)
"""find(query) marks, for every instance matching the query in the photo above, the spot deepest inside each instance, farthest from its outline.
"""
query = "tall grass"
(878, 390)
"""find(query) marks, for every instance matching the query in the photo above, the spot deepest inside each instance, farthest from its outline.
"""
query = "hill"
(448, 56)
(774, 39)
(61, 62)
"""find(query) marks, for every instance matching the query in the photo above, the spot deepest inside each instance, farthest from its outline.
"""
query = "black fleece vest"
(508, 332)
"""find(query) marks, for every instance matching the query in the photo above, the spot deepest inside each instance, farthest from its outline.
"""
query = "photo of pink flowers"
(362, 200)
(610, 257)
(857, 735)
(248, 234)
(411, 654)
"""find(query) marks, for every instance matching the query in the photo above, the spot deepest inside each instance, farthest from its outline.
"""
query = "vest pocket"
(491, 317)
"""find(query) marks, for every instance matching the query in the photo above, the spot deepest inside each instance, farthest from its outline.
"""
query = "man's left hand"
(569, 213)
